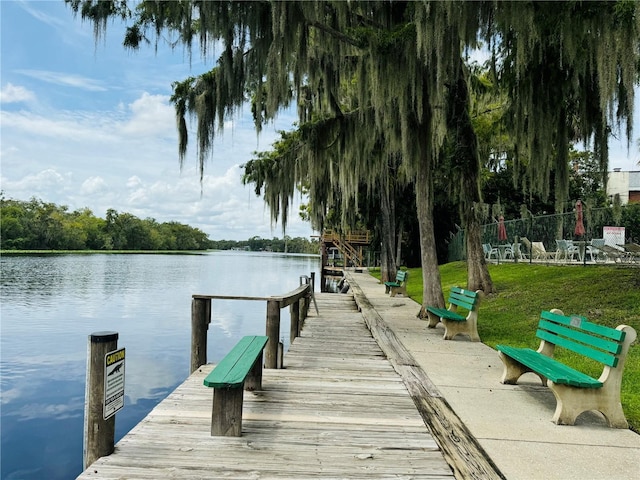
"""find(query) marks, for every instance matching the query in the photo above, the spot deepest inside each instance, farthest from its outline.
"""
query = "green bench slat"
(461, 301)
(550, 368)
(466, 293)
(234, 367)
(601, 357)
(589, 340)
(582, 323)
(443, 312)
(401, 276)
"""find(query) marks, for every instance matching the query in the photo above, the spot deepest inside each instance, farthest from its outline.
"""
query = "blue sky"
(90, 125)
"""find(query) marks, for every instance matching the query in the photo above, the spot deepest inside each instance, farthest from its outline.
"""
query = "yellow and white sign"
(113, 382)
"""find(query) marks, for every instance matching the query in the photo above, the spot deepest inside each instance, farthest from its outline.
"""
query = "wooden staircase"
(350, 245)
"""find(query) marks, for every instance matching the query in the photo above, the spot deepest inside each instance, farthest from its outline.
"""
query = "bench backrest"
(235, 366)
(463, 298)
(401, 276)
(577, 334)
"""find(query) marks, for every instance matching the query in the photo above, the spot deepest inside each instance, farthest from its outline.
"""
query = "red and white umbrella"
(502, 230)
(579, 230)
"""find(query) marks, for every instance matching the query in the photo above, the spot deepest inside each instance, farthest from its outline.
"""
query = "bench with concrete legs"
(575, 391)
(453, 322)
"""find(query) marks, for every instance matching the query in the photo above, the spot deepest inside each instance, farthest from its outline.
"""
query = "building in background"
(625, 184)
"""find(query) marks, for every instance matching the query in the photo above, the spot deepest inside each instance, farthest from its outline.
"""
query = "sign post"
(99, 426)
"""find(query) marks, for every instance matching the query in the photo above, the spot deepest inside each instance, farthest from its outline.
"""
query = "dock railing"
(298, 300)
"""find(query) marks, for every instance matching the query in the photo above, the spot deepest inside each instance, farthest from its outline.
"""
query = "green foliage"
(37, 225)
(607, 295)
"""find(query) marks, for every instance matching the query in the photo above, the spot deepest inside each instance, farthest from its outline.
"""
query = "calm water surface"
(50, 304)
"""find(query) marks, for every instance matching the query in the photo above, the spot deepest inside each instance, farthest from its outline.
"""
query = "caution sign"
(113, 382)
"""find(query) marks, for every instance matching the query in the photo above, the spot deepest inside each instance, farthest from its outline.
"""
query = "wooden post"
(273, 332)
(226, 416)
(200, 319)
(99, 434)
(294, 330)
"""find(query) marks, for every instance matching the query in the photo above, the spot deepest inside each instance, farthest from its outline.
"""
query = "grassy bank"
(606, 295)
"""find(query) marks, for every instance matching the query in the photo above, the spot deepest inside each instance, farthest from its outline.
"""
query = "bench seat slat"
(448, 314)
(234, 367)
(597, 355)
(550, 368)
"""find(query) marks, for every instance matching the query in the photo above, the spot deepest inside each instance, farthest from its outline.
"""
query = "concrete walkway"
(512, 423)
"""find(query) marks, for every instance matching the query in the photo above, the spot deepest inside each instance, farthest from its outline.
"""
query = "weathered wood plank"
(462, 450)
(337, 410)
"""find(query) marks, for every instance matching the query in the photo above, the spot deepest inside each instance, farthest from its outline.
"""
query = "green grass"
(606, 295)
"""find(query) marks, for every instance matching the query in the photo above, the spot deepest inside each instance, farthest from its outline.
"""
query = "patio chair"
(614, 253)
(540, 253)
(527, 244)
(633, 251)
(566, 250)
(517, 250)
(489, 251)
(573, 249)
(595, 250)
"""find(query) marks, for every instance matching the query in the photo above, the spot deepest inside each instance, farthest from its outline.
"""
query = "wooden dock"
(338, 410)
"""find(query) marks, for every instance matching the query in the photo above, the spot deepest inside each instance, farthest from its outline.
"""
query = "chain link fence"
(549, 228)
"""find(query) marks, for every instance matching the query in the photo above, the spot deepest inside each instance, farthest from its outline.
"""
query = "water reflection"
(50, 304)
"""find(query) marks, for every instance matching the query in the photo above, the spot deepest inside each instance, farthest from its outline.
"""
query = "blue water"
(50, 304)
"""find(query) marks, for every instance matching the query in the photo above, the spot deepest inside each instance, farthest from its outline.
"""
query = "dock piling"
(99, 434)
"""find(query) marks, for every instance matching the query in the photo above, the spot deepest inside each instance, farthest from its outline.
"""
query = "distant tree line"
(39, 225)
(258, 244)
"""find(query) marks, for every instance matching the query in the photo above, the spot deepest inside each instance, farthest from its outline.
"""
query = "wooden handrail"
(298, 300)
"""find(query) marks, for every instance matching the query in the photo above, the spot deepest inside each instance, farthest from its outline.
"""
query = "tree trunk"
(478, 277)
(388, 266)
(466, 157)
(399, 244)
(431, 287)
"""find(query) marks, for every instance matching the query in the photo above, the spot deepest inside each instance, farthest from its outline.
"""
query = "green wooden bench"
(399, 286)
(575, 391)
(453, 322)
(239, 370)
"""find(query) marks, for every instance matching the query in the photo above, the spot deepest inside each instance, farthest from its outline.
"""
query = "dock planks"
(338, 410)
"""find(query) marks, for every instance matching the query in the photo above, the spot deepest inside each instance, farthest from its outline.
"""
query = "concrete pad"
(511, 422)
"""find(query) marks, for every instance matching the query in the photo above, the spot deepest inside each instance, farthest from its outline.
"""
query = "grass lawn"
(607, 295)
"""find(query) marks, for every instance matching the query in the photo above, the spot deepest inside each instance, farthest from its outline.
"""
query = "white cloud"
(93, 185)
(15, 94)
(150, 115)
(134, 182)
(65, 79)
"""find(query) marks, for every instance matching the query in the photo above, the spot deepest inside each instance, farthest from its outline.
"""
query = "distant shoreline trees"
(39, 225)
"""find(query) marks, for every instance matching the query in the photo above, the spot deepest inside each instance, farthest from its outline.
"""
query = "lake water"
(50, 304)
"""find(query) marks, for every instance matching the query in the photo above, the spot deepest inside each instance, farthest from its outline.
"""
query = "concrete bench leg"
(513, 370)
(433, 320)
(572, 401)
(454, 327)
(226, 417)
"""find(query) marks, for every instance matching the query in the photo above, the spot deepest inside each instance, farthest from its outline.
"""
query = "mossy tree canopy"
(366, 75)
